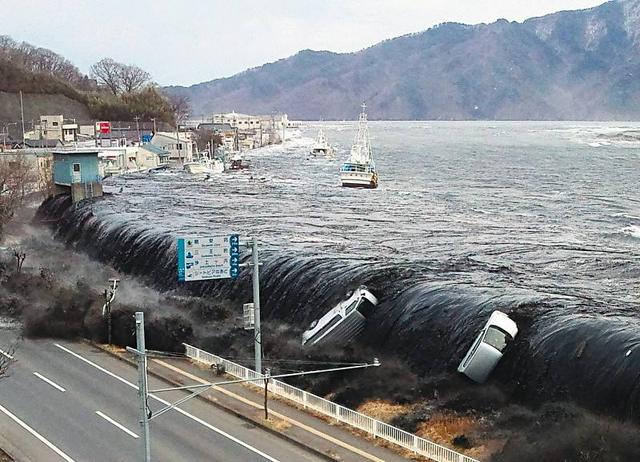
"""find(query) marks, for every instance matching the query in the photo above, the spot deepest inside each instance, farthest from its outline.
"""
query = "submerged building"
(77, 173)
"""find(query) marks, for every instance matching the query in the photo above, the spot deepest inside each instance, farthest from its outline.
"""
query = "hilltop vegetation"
(123, 94)
(575, 65)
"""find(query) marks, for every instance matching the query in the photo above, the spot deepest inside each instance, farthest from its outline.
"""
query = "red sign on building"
(104, 127)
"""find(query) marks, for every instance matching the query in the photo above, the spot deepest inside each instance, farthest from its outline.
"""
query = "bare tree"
(46, 186)
(108, 73)
(35, 59)
(180, 106)
(20, 257)
(132, 78)
(18, 177)
(207, 139)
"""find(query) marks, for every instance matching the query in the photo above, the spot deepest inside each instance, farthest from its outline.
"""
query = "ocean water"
(536, 202)
(540, 220)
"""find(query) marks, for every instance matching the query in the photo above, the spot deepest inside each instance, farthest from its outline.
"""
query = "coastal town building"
(54, 127)
(252, 130)
(180, 146)
(226, 132)
(77, 172)
(118, 160)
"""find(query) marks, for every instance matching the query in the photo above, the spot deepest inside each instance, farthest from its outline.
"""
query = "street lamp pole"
(141, 355)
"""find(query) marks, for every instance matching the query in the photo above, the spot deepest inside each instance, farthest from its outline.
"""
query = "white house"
(181, 149)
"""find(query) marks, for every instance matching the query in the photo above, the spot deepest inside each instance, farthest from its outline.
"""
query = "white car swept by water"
(342, 323)
(486, 351)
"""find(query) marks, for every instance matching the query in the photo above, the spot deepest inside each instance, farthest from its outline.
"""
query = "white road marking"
(51, 446)
(6, 354)
(50, 382)
(120, 426)
(311, 430)
(166, 403)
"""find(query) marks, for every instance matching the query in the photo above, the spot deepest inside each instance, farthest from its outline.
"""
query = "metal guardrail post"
(378, 429)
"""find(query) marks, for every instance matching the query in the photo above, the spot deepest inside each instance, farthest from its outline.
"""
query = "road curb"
(240, 415)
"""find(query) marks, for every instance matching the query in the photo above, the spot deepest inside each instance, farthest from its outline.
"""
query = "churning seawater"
(540, 220)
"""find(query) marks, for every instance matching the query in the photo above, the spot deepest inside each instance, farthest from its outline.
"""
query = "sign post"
(203, 258)
(256, 305)
(218, 257)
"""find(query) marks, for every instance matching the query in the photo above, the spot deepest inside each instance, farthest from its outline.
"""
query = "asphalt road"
(68, 401)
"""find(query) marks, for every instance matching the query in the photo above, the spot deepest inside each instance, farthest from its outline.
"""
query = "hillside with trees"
(52, 84)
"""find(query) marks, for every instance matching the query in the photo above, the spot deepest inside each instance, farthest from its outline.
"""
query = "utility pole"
(256, 305)
(141, 354)
(24, 140)
(137, 119)
(178, 139)
(283, 128)
(106, 309)
(154, 125)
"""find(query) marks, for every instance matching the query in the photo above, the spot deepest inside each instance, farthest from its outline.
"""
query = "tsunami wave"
(566, 350)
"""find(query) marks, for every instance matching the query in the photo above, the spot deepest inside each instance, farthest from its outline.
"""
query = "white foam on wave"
(633, 231)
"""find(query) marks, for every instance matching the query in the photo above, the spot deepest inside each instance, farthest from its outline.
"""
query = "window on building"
(76, 168)
(55, 124)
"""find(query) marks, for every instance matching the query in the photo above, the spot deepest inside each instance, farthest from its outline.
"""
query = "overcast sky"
(189, 41)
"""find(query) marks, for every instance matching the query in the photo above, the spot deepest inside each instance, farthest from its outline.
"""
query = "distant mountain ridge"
(570, 65)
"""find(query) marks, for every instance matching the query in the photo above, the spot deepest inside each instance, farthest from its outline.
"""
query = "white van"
(343, 322)
(486, 351)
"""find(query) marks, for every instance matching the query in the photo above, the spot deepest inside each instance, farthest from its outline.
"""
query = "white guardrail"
(373, 427)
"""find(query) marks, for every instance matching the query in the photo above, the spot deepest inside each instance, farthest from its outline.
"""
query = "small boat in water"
(321, 146)
(236, 162)
(359, 171)
(342, 323)
(204, 165)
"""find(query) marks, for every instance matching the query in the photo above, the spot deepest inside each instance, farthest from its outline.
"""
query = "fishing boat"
(359, 171)
(237, 162)
(321, 146)
(342, 323)
(204, 165)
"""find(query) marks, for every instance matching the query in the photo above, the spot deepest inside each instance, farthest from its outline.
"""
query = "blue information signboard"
(209, 257)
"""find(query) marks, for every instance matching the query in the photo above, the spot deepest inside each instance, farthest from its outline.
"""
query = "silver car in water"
(342, 323)
(486, 351)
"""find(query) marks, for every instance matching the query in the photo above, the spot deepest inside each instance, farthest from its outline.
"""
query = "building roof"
(233, 115)
(75, 152)
(215, 127)
(184, 136)
(42, 143)
(155, 149)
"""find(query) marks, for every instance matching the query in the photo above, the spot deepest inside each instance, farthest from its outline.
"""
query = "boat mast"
(361, 150)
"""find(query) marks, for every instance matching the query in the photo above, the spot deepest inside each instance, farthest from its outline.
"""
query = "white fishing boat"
(321, 146)
(204, 165)
(359, 171)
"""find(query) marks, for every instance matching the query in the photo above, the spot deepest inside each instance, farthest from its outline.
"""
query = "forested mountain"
(569, 65)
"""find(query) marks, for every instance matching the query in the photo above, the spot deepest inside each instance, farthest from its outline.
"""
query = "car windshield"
(497, 338)
(351, 307)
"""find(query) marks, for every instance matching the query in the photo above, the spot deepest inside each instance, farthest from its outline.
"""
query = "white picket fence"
(373, 427)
